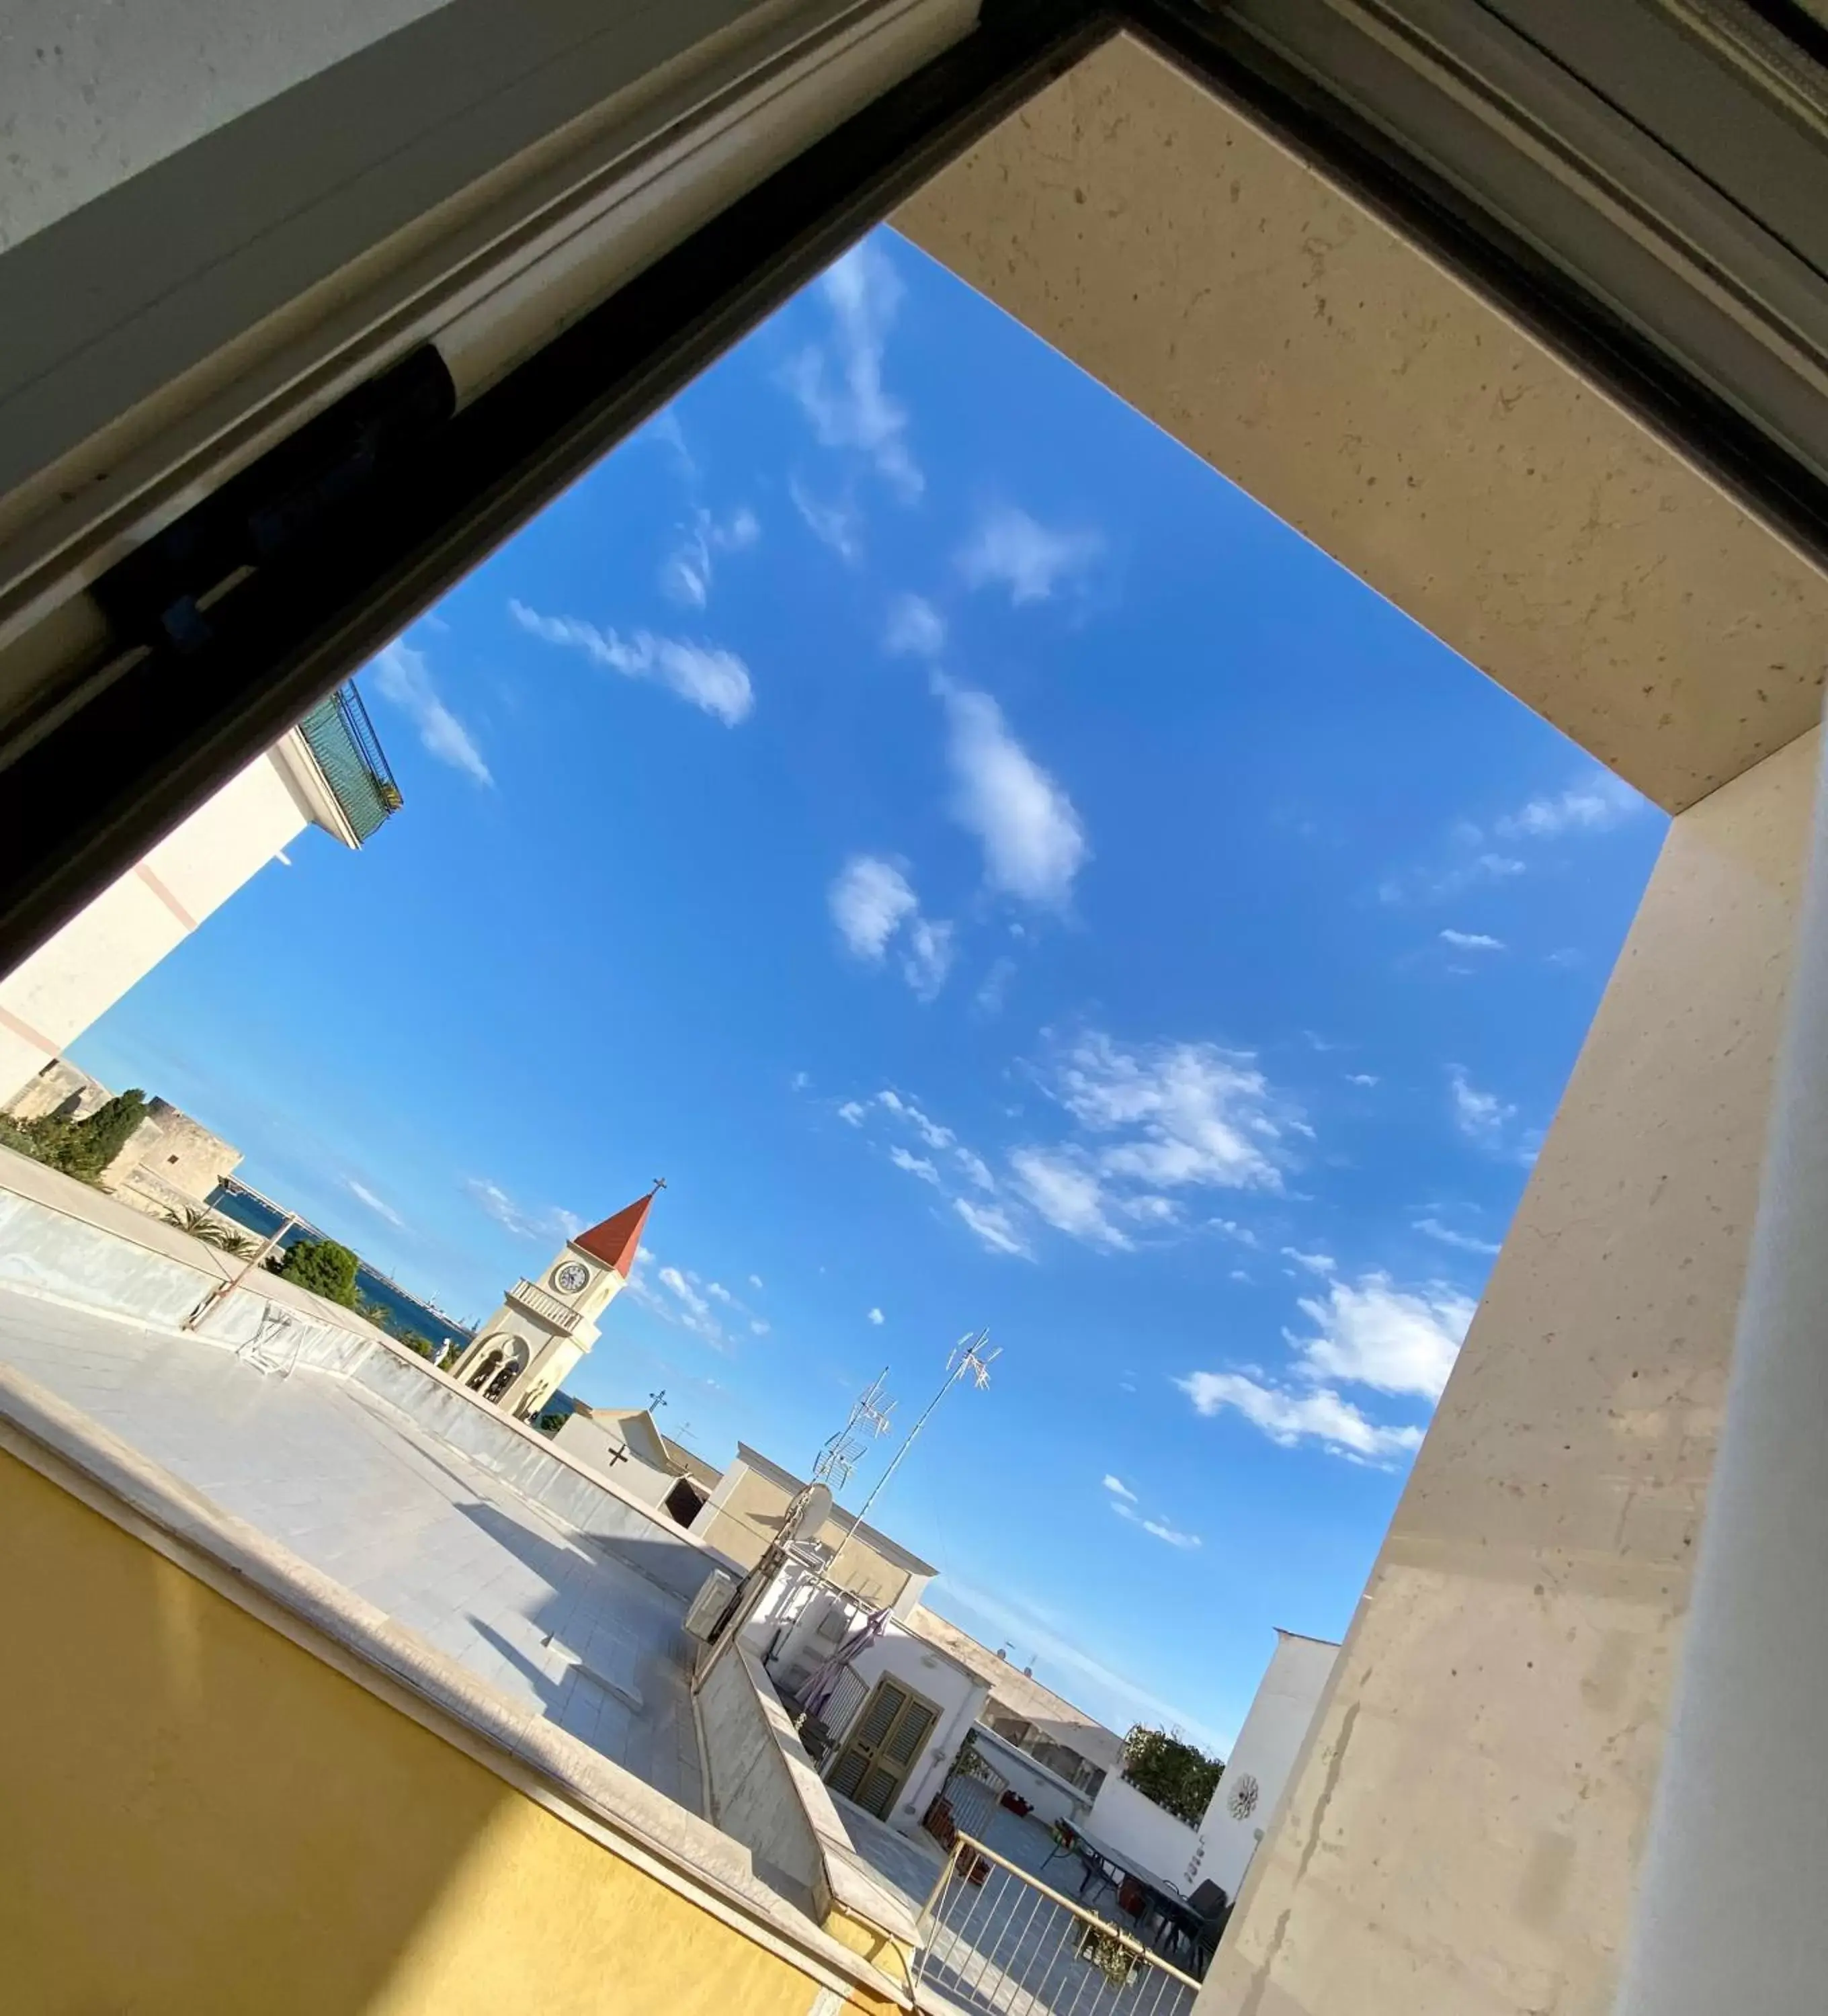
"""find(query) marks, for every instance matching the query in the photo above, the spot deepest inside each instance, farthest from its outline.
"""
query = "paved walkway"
(397, 1516)
(909, 1867)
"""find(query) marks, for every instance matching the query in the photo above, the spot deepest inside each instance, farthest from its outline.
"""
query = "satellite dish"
(813, 1509)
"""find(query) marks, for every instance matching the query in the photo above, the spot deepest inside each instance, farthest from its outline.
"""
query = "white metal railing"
(548, 1308)
(994, 1937)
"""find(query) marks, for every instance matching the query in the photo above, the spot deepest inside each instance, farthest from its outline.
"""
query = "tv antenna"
(972, 1357)
(870, 1416)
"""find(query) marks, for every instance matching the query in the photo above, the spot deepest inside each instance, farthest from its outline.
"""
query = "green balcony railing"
(340, 736)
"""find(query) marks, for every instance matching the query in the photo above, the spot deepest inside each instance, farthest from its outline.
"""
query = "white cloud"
(401, 677)
(755, 1282)
(995, 987)
(1470, 871)
(1372, 1333)
(940, 1139)
(1033, 842)
(1066, 1191)
(363, 1195)
(671, 1279)
(1361, 1078)
(1603, 800)
(1196, 1114)
(1118, 1489)
(714, 680)
(876, 1317)
(1290, 1418)
(930, 1130)
(685, 576)
(916, 1165)
(870, 901)
(1464, 1242)
(1472, 941)
(664, 428)
(1160, 1118)
(1599, 802)
(839, 525)
(1160, 1528)
(928, 956)
(687, 1301)
(915, 629)
(1231, 1229)
(1315, 1263)
(1480, 1116)
(1009, 549)
(758, 1327)
(993, 1226)
(1369, 1333)
(550, 1223)
(839, 384)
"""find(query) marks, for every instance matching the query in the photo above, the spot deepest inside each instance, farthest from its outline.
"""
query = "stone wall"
(176, 1152)
(59, 1083)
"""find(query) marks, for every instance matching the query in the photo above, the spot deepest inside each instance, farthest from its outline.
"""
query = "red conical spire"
(614, 1241)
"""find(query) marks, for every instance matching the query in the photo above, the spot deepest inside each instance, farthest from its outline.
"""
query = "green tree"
(84, 1148)
(94, 1142)
(323, 1267)
(1175, 1773)
(397, 1327)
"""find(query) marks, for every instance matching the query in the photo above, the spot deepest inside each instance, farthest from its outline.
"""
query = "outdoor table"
(1102, 1860)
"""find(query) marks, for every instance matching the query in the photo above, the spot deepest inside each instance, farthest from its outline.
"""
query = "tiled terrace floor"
(400, 1519)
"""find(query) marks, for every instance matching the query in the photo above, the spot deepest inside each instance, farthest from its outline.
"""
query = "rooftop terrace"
(405, 1520)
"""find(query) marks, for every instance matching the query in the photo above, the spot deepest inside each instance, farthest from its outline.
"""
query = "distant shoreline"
(415, 1309)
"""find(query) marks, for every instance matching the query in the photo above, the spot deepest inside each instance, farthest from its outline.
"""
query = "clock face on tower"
(572, 1275)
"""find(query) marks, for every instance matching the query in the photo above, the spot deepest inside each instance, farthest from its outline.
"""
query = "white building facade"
(901, 1711)
(327, 772)
(1262, 1761)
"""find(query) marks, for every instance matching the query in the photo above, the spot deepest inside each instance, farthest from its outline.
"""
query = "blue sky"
(999, 875)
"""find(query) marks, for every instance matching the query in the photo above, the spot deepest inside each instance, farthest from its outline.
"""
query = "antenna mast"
(871, 1415)
(971, 1357)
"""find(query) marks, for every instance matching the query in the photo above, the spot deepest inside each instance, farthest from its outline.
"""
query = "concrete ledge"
(572, 1780)
(1156, 237)
(765, 1792)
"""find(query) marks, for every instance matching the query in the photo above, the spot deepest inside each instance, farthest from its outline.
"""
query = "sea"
(263, 1218)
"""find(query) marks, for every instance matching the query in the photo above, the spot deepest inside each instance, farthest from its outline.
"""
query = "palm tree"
(206, 1227)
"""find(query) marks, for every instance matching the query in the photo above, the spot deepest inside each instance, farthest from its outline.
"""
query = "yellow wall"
(745, 1522)
(198, 1815)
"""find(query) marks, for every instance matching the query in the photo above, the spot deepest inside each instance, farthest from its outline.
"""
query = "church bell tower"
(546, 1326)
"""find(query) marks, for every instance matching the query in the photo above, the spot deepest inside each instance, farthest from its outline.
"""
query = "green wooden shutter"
(871, 1727)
